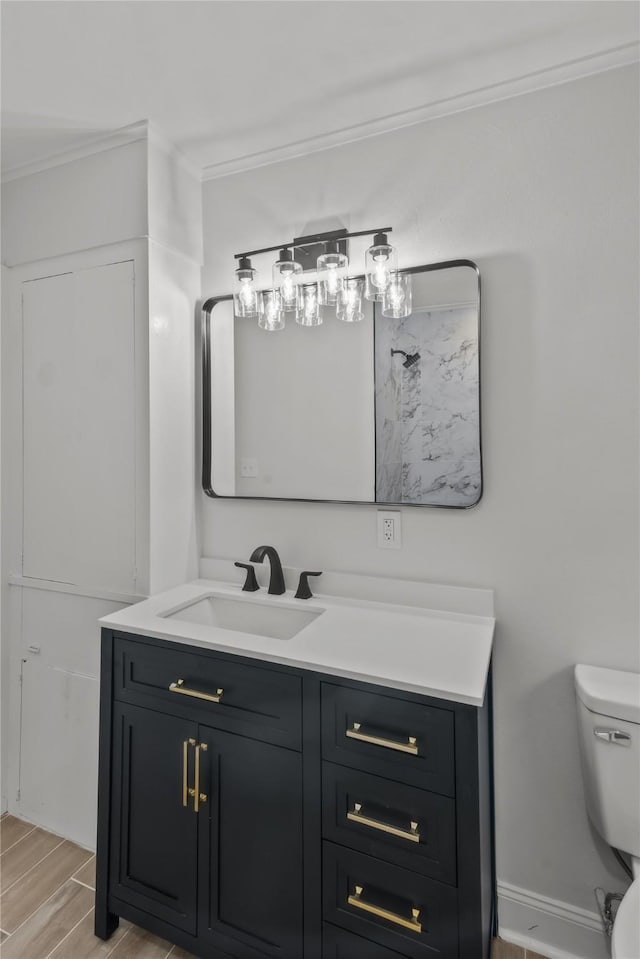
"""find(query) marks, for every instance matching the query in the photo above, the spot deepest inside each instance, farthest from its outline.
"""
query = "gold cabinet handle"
(196, 782)
(185, 768)
(198, 797)
(186, 792)
(355, 815)
(355, 899)
(411, 746)
(179, 687)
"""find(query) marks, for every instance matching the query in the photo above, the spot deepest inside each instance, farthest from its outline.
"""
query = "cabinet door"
(154, 835)
(250, 856)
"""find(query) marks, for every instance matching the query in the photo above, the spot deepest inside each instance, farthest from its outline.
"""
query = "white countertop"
(418, 650)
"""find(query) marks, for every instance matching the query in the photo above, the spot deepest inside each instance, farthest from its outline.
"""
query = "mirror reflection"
(385, 410)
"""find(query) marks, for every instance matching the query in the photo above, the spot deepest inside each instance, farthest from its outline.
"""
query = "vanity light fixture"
(325, 255)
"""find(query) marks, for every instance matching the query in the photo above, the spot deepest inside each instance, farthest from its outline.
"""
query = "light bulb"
(380, 276)
(332, 269)
(288, 286)
(349, 308)
(286, 272)
(247, 293)
(332, 280)
(271, 317)
(245, 297)
(396, 301)
(310, 304)
(309, 312)
(380, 264)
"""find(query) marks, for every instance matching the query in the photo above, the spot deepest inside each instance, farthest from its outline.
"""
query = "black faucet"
(276, 580)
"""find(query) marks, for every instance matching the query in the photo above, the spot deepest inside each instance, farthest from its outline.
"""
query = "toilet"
(608, 703)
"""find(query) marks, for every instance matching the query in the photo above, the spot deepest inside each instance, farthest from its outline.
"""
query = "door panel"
(154, 836)
(251, 896)
(79, 428)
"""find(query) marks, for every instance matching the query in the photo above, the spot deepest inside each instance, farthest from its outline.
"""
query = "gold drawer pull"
(411, 746)
(355, 815)
(413, 923)
(180, 687)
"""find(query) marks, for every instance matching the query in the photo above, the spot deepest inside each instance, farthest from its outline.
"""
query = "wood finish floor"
(46, 905)
(46, 902)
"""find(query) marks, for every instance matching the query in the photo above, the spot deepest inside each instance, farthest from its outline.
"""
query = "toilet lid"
(625, 941)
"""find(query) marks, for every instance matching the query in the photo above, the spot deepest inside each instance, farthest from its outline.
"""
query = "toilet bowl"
(625, 938)
(608, 703)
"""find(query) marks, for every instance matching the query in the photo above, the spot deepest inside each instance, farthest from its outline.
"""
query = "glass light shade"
(271, 317)
(332, 270)
(286, 276)
(349, 307)
(396, 301)
(381, 261)
(245, 296)
(309, 312)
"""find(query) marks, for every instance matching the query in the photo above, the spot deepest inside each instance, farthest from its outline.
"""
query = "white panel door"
(79, 428)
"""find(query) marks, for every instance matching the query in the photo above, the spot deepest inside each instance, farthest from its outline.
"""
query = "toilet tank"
(609, 728)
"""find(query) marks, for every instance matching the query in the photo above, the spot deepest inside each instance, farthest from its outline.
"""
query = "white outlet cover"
(248, 467)
(389, 528)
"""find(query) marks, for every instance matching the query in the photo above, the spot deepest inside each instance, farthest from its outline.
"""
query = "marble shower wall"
(427, 416)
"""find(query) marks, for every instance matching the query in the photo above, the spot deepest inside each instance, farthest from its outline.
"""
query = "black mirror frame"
(207, 451)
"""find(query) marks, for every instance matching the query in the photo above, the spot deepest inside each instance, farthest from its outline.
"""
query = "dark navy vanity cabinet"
(250, 810)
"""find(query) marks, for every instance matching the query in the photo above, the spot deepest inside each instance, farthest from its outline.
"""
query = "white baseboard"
(547, 926)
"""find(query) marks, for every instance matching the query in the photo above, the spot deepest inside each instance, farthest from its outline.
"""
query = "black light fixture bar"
(312, 239)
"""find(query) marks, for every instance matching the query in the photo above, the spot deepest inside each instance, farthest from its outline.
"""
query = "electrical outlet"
(389, 529)
(249, 467)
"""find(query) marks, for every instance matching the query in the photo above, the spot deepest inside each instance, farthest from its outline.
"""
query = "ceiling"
(235, 83)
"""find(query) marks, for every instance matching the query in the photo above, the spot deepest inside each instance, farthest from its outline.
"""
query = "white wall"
(542, 192)
(174, 287)
(86, 203)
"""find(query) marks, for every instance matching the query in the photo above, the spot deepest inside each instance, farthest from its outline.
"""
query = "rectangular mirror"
(384, 411)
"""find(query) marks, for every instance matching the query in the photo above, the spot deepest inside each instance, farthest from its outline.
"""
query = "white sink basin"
(278, 621)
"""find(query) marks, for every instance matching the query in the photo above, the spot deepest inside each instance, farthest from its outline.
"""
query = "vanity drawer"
(231, 695)
(340, 944)
(410, 827)
(404, 741)
(401, 910)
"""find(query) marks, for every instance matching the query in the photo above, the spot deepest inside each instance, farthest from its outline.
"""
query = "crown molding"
(133, 133)
(109, 141)
(621, 56)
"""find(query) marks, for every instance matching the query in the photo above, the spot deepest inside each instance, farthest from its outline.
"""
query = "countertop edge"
(386, 681)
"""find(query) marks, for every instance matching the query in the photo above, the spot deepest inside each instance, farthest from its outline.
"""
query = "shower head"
(410, 359)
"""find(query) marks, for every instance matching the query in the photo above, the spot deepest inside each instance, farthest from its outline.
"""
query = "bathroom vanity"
(322, 792)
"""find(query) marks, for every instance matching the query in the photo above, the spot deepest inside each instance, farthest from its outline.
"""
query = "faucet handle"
(250, 583)
(304, 591)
